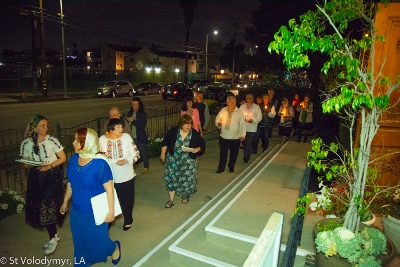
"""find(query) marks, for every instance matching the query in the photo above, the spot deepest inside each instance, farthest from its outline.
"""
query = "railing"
(265, 252)
(13, 175)
(296, 228)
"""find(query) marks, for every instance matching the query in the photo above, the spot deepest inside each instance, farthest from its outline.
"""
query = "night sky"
(123, 22)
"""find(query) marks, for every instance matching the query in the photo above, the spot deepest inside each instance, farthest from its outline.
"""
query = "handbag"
(100, 207)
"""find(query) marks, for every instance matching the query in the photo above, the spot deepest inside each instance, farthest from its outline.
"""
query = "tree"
(188, 12)
(361, 92)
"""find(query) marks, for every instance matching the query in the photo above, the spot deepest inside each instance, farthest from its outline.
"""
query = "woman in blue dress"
(180, 148)
(89, 175)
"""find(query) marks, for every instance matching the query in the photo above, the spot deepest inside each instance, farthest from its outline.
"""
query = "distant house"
(113, 56)
(144, 64)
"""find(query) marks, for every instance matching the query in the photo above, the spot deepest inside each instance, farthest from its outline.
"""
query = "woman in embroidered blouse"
(286, 112)
(44, 189)
(181, 166)
(187, 108)
(121, 153)
(89, 175)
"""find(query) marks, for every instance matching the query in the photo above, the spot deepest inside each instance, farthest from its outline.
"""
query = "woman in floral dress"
(180, 148)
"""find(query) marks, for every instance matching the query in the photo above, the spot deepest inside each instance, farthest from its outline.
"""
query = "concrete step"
(224, 230)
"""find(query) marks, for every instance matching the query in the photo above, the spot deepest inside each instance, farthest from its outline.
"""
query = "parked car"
(199, 85)
(217, 93)
(115, 89)
(242, 85)
(148, 88)
(177, 91)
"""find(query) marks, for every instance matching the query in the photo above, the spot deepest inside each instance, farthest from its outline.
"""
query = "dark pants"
(256, 140)
(248, 144)
(143, 152)
(224, 145)
(264, 134)
(126, 197)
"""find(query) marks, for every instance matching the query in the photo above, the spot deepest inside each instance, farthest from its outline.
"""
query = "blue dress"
(91, 242)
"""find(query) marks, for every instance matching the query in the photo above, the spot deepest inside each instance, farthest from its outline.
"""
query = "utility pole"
(233, 55)
(43, 68)
(34, 64)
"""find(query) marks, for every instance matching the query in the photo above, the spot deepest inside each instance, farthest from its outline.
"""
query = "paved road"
(68, 112)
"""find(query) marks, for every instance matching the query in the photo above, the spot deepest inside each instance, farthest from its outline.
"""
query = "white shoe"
(51, 247)
(57, 237)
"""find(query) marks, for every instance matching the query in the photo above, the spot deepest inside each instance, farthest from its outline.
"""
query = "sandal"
(185, 200)
(169, 204)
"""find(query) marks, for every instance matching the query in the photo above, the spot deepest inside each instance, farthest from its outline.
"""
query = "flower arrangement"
(360, 248)
(10, 203)
(154, 147)
(359, 94)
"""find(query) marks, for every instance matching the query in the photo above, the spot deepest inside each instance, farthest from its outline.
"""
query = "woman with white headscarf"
(44, 188)
(89, 174)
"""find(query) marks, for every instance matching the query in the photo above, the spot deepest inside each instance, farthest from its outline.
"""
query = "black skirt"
(305, 129)
(44, 197)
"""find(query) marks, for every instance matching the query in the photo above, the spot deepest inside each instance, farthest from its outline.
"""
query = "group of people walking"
(102, 164)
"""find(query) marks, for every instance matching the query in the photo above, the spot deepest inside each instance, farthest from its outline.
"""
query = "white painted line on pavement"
(154, 250)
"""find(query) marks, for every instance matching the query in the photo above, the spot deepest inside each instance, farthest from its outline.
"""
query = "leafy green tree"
(361, 92)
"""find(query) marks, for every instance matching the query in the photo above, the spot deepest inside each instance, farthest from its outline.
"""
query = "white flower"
(19, 208)
(313, 206)
(344, 233)
(4, 206)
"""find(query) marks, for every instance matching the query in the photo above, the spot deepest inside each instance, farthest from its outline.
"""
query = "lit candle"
(245, 116)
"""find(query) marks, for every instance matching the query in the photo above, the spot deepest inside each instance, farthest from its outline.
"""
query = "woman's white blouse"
(120, 149)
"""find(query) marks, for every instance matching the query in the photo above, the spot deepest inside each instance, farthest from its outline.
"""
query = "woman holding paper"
(89, 175)
(121, 153)
(44, 189)
(180, 148)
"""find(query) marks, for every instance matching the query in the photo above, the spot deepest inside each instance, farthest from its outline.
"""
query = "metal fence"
(13, 175)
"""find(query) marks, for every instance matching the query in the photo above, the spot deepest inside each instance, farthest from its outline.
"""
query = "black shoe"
(254, 152)
(246, 161)
(219, 171)
(231, 170)
(126, 228)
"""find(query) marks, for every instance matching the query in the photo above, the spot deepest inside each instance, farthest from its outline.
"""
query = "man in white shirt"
(233, 130)
(252, 116)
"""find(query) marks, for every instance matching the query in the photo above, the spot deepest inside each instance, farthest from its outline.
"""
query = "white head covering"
(92, 146)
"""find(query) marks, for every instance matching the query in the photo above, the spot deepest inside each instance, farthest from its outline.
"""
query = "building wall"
(387, 139)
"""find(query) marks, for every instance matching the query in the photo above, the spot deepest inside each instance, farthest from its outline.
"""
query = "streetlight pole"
(63, 50)
(215, 32)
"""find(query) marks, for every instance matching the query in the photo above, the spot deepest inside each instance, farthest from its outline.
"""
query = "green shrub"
(154, 147)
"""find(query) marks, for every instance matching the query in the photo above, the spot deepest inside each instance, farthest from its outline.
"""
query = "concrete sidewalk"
(152, 222)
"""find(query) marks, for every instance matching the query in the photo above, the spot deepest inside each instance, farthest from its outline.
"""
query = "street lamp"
(215, 32)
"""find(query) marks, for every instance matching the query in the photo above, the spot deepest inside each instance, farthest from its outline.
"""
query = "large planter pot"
(337, 261)
(391, 227)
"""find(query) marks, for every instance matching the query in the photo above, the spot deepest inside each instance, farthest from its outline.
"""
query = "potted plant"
(391, 217)
(360, 93)
(10, 203)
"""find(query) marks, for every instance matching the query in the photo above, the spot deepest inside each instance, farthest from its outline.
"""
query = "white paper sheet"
(32, 162)
(189, 149)
(100, 207)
